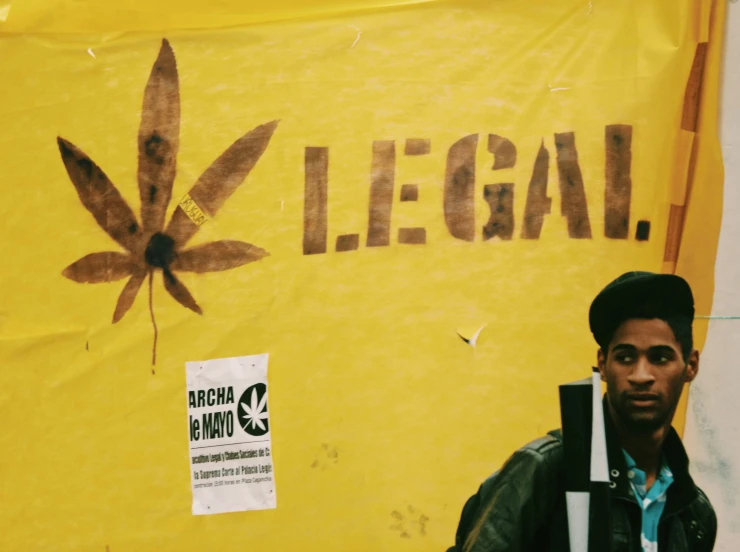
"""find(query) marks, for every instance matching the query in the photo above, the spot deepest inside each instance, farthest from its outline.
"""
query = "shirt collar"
(665, 475)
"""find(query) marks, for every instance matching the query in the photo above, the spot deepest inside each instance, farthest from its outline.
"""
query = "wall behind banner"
(711, 428)
(393, 180)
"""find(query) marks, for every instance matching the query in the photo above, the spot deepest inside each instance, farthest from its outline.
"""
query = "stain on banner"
(229, 434)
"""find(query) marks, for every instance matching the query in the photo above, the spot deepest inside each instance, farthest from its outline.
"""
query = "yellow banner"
(408, 207)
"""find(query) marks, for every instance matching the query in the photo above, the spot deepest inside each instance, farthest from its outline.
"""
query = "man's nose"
(641, 374)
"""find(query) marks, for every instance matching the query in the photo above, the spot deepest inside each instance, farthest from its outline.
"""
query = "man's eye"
(624, 359)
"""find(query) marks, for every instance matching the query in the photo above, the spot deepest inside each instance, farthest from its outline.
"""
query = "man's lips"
(642, 399)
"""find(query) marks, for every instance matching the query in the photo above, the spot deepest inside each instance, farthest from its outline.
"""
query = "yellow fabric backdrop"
(543, 148)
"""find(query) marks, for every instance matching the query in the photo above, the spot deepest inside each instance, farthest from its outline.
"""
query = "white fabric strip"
(578, 504)
(599, 462)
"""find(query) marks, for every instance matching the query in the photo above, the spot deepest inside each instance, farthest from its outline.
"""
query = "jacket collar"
(680, 494)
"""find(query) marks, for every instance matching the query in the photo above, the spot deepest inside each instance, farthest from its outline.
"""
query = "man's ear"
(601, 363)
(692, 366)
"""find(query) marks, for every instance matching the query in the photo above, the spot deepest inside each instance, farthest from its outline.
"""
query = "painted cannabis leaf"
(255, 412)
(149, 246)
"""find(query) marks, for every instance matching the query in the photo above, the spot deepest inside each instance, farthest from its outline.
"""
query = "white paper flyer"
(229, 433)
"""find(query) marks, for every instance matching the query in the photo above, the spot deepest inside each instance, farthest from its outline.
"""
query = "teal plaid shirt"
(652, 502)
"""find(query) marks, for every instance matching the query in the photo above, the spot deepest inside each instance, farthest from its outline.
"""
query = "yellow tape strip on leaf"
(192, 210)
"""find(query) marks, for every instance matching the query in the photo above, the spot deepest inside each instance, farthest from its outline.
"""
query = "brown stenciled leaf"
(217, 256)
(221, 179)
(180, 293)
(126, 299)
(152, 249)
(159, 139)
(96, 268)
(100, 197)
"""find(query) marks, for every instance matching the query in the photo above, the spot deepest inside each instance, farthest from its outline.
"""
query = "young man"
(642, 324)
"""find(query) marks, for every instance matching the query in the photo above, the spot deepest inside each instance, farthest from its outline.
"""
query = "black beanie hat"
(635, 293)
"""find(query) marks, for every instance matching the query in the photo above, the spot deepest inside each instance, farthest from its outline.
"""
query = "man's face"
(644, 373)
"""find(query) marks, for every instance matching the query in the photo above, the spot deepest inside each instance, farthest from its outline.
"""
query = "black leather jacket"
(521, 508)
